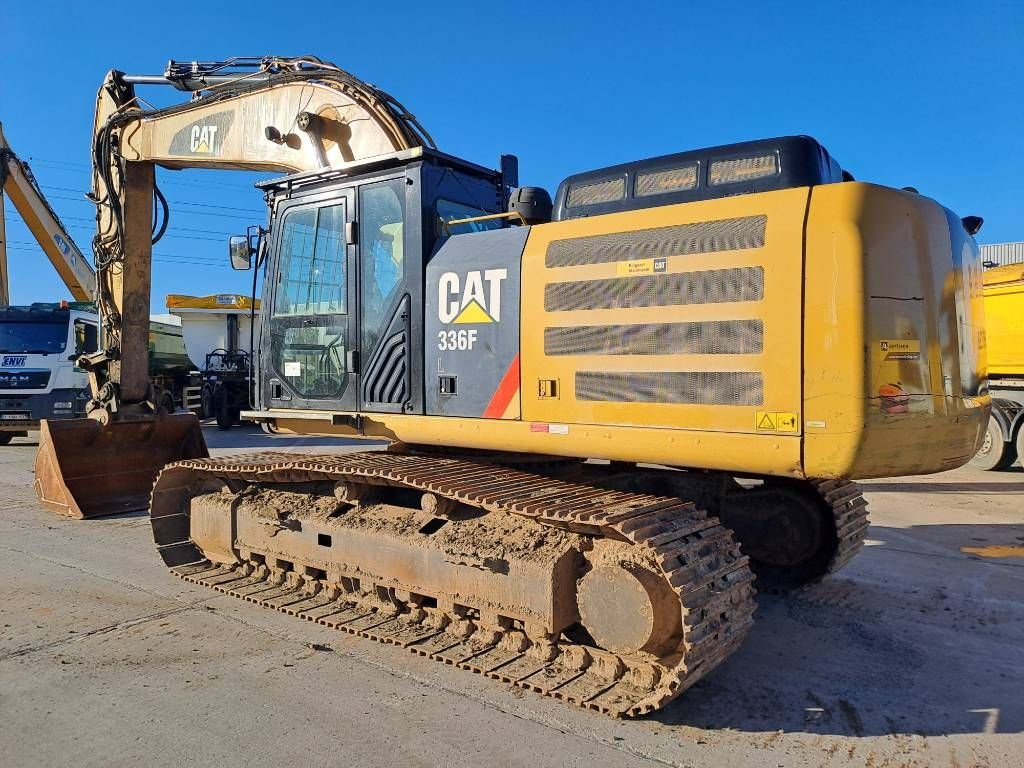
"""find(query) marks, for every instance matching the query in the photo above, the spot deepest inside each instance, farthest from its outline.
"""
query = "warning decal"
(776, 421)
(900, 349)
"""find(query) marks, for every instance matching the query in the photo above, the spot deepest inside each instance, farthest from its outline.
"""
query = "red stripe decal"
(505, 392)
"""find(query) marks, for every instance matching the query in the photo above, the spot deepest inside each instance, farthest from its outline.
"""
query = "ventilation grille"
(385, 382)
(598, 192)
(682, 239)
(670, 180)
(716, 337)
(386, 378)
(676, 387)
(715, 286)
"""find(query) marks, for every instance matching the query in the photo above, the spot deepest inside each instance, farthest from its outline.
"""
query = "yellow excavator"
(607, 413)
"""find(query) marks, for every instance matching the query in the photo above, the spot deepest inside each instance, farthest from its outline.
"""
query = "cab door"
(310, 324)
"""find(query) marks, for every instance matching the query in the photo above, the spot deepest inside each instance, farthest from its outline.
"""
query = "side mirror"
(240, 251)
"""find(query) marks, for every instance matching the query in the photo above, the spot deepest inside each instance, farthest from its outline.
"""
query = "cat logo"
(203, 137)
(470, 302)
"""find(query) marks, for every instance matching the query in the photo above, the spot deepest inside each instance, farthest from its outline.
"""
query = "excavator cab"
(343, 326)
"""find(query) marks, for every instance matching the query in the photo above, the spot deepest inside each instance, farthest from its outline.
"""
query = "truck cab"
(38, 376)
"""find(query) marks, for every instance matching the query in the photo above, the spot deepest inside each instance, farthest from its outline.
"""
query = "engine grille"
(675, 387)
(714, 286)
(24, 378)
(714, 337)
(681, 239)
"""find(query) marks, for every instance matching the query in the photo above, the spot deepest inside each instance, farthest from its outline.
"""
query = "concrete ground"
(913, 655)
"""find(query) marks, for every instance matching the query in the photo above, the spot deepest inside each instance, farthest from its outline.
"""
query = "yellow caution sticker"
(640, 267)
(776, 421)
(900, 349)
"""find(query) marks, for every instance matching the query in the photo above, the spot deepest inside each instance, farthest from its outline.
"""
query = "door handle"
(352, 361)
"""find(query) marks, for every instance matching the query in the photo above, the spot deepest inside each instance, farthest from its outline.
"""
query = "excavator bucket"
(86, 469)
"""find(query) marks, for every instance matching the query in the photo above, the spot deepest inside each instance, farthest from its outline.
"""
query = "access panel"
(472, 345)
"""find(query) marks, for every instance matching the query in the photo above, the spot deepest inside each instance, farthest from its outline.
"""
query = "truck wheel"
(167, 403)
(1020, 442)
(995, 451)
(6, 437)
(206, 402)
(222, 409)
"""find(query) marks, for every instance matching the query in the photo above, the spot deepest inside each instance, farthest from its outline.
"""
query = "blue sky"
(923, 94)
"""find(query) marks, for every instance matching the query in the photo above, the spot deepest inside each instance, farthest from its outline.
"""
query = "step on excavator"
(606, 413)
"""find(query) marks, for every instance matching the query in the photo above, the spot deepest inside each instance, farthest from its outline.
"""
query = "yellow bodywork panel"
(672, 318)
(888, 389)
(1004, 319)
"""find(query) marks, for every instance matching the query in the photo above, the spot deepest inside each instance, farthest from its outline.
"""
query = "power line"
(92, 221)
(90, 230)
(175, 202)
(193, 213)
(15, 245)
(163, 179)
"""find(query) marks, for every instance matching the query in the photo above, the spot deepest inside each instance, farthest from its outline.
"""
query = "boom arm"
(271, 114)
(17, 181)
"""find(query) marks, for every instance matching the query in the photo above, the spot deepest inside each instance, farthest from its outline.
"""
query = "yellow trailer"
(1003, 292)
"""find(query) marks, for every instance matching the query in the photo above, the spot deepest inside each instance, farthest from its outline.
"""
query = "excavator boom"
(17, 181)
(265, 114)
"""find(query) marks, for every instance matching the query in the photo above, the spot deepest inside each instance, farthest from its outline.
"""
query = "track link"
(698, 559)
(850, 513)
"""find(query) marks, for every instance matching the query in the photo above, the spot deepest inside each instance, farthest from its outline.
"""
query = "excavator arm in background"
(270, 114)
(17, 181)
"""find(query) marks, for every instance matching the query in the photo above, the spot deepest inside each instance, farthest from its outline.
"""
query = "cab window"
(449, 210)
(86, 338)
(381, 255)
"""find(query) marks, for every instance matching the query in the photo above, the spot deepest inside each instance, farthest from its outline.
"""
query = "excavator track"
(850, 513)
(699, 565)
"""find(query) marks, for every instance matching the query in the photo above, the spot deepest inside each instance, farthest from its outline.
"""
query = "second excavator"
(605, 414)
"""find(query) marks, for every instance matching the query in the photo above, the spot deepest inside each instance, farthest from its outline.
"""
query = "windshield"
(33, 337)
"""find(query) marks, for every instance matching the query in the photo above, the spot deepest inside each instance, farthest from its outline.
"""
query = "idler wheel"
(628, 608)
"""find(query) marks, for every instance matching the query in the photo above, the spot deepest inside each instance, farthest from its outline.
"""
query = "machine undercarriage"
(552, 580)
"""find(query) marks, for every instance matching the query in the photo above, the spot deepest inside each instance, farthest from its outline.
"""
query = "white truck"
(38, 377)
